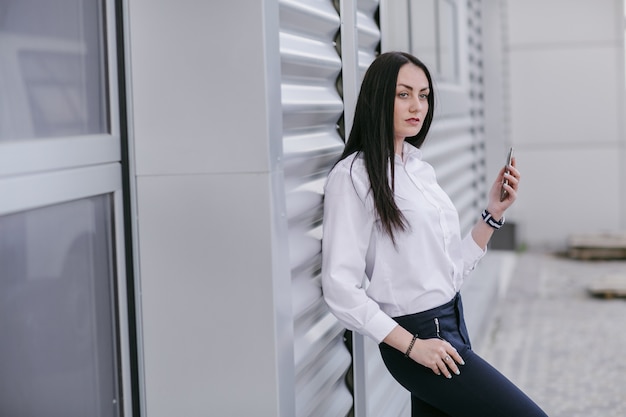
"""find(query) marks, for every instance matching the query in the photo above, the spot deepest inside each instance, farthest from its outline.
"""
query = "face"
(411, 102)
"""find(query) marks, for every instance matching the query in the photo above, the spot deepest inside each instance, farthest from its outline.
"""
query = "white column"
(211, 248)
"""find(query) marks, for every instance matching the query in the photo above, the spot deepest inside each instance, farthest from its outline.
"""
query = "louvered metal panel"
(368, 30)
(311, 107)
(451, 149)
(385, 397)
(477, 99)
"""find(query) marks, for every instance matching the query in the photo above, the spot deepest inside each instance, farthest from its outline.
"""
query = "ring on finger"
(447, 358)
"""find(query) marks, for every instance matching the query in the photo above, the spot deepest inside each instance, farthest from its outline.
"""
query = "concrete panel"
(565, 96)
(198, 80)
(566, 191)
(558, 21)
(207, 295)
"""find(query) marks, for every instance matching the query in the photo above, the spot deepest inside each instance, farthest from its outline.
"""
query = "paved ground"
(564, 348)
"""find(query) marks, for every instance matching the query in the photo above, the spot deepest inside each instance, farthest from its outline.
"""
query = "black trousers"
(479, 391)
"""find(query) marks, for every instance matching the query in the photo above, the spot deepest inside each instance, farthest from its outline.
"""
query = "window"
(52, 69)
(64, 347)
(56, 293)
(433, 36)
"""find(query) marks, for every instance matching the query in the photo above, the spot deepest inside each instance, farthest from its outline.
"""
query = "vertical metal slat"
(311, 109)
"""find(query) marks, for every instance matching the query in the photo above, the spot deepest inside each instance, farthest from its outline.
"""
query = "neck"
(398, 146)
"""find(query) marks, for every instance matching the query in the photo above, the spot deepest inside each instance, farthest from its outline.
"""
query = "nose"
(416, 106)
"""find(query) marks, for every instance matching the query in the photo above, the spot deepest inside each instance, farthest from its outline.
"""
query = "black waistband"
(448, 308)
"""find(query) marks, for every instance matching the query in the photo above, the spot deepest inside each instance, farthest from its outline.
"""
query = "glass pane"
(447, 40)
(423, 28)
(57, 345)
(434, 37)
(52, 69)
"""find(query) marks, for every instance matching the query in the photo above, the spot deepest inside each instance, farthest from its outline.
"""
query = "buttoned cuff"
(379, 327)
(472, 253)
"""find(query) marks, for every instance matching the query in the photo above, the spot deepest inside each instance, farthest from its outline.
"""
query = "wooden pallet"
(609, 286)
(597, 247)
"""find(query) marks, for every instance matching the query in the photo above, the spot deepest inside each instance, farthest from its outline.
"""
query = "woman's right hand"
(438, 355)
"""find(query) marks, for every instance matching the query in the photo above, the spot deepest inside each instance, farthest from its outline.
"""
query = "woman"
(387, 219)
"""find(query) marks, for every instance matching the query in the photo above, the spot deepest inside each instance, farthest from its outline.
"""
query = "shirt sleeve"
(472, 254)
(347, 227)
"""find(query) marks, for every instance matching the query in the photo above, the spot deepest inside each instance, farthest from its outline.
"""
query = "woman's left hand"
(512, 175)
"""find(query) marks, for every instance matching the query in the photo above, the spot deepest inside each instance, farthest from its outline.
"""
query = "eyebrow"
(411, 88)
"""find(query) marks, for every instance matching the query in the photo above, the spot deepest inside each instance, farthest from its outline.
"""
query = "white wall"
(215, 306)
(566, 104)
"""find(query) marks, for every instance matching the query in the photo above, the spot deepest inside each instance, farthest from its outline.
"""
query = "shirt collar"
(409, 151)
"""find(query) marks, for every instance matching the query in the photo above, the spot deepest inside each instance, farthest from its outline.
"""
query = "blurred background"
(161, 175)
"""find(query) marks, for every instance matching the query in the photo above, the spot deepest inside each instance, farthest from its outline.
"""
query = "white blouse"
(424, 270)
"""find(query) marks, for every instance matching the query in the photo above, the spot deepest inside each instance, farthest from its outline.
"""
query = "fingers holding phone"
(510, 178)
(505, 181)
(503, 192)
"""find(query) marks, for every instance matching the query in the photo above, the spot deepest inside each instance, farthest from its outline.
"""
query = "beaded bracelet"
(488, 218)
(408, 351)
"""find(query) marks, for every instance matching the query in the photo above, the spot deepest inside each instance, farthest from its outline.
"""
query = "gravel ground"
(563, 347)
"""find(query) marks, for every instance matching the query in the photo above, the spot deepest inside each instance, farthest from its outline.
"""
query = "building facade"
(161, 175)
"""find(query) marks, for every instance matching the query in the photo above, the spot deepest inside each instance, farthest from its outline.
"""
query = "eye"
(403, 94)
(424, 96)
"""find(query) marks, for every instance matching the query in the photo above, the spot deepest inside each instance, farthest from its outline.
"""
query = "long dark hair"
(372, 133)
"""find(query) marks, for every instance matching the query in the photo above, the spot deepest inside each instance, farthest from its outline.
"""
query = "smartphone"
(504, 193)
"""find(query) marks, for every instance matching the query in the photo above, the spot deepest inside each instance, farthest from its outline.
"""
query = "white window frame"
(46, 154)
(40, 172)
(397, 17)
